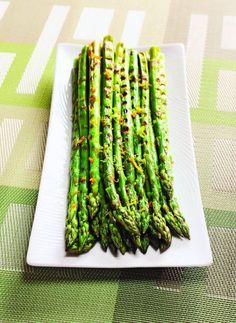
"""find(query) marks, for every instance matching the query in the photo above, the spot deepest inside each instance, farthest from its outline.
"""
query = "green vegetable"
(72, 224)
(121, 189)
(160, 127)
(115, 235)
(117, 137)
(145, 242)
(118, 148)
(84, 233)
(94, 125)
(127, 136)
(137, 140)
(120, 213)
(104, 220)
(157, 220)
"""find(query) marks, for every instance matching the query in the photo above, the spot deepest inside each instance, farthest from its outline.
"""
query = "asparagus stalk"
(104, 220)
(171, 220)
(118, 144)
(139, 173)
(127, 135)
(119, 212)
(115, 235)
(112, 246)
(84, 233)
(94, 125)
(154, 241)
(157, 219)
(159, 117)
(76, 248)
(145, 242)
(71, 219)
(130, 246)
(160, 126)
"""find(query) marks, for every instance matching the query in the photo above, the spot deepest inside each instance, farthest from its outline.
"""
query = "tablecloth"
(29, 32)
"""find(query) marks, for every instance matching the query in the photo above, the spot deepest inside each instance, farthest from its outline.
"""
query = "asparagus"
(154, 241)
(159, 119)
(158, 222)
(130, 246)
(108, 226)
(118, 142)
(131, 153)
(94, 125)
(127, 135)
(72, 220)
(112, 247)
(155, 161)
(104, 220)
(145, 242)
(115, 235)
(117, 127)
(157, 225)
(160, 126)
(84, 233)
(120, 213)
(171, 220)
(139, 173)
(148, 192)
(76, 248)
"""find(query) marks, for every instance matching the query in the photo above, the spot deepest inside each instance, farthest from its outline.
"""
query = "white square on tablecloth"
(94, 23)
(228, 37)
(226, 94)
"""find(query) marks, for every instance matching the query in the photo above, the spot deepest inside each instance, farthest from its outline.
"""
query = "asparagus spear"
(154, 241)
(112, 247)
(104, 219)
(84, 233)
(94, 125)
(72, 220)
(139, 173)
(127, 135)
(130, 246)
(157, 219)
(76, 248)
(171, 220)
(119, 212)
(115, 235)
(159, 117)
(160, 126)
(117, 127)
(145, 242)
(118, 143)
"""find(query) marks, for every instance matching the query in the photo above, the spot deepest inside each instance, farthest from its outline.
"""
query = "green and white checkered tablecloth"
(29, 32)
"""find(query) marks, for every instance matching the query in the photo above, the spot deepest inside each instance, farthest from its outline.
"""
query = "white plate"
(47, 244)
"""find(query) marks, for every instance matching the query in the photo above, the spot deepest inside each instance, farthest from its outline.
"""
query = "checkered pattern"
(29, 32)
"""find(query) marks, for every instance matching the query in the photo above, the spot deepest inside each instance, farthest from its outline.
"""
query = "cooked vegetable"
(160, 127)
(117, 120)
(121, 190)
(104, 220)
(127, 136)
(157, 219)
(72, 222)
(120, 212)
(94, 60)
(138, 155)
(84, 232)
(116, 235)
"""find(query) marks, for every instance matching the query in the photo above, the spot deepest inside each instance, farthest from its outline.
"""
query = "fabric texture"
(29, 32)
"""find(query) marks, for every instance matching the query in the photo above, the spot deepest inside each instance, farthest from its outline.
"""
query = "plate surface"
(47, 244)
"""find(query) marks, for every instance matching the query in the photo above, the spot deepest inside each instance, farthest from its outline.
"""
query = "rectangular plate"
(47, 243)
